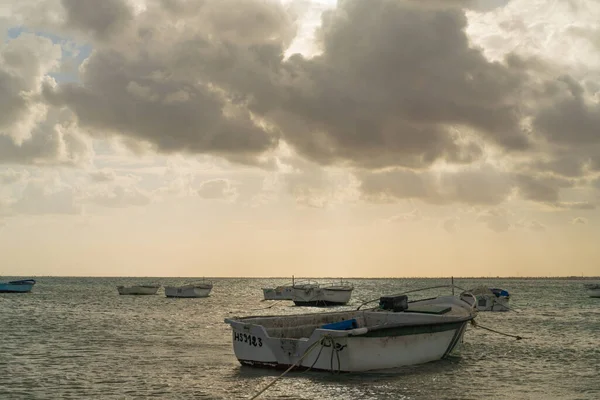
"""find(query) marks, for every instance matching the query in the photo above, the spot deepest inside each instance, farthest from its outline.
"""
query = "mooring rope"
(306, 353)
(497, 303)
(476, 325)
(266, 308)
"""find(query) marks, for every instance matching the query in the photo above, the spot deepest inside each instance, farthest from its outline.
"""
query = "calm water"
(77, 338)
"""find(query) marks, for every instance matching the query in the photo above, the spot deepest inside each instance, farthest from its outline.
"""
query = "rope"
(496, 303)
(266, 308)
(476, 325)
(307, 352)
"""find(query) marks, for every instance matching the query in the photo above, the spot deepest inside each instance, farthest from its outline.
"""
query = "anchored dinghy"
(395, 334)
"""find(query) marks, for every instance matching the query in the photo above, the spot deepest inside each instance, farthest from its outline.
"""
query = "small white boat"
(333, 294)
(201, 289)
(138, 289)
(22, 286)
(593, 289)
(490, 299)
(284, 292)
(395, 334)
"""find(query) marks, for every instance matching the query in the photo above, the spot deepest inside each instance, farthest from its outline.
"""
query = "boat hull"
(351, 354)
(138, 290)
(285, 292)
(594, 293)
(17, 286)
(187, 291)
(280, 293)
(492, 303)
(321, 297)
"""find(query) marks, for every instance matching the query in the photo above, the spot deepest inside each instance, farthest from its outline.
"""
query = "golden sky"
(358, 138)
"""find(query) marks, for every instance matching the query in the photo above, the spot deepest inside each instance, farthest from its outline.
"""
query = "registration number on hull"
(251, 340)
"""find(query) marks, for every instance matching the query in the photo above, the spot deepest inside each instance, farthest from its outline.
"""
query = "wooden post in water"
(293, 281)
(452, 286)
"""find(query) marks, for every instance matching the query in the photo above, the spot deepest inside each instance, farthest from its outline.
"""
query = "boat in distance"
(284, 292)
(332, 294)
(20, 286)
(490, 299)
(593, 289)
(191, 290)
(138, 290)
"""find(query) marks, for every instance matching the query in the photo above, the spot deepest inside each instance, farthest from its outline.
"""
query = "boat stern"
(251, 344)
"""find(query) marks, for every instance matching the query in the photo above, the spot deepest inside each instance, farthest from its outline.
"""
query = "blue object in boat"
(22, 286)
(342, 325)
(500, 292)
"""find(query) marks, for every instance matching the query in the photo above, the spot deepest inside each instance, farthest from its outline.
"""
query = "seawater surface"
(75, 338)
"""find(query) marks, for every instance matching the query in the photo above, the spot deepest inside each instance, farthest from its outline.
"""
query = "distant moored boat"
(593, 289)
(138, 289)
(200, 289)
(490, 299)
(22, 286)
(333, 294)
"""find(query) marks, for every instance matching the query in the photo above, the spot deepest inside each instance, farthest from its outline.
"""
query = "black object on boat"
(394, 303)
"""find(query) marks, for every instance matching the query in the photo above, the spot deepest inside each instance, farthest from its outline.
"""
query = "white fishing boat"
(200, 289)
(593, 289)
(490, 299)
(284, 292)
(337, 293)
(138, 289)
(395, 334)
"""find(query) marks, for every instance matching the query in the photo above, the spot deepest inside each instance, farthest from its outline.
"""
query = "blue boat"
(23, 286)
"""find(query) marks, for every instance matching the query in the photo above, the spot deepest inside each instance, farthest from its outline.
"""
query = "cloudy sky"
(306, 137)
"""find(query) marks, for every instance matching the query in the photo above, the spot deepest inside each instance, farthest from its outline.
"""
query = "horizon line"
(313, 277)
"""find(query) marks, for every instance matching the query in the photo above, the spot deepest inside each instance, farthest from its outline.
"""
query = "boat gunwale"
(441, 320)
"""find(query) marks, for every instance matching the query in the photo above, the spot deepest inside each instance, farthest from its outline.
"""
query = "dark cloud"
(392, 81)
(396, 84)
(99, 19)
(397, 88)
(569, 118)
(165, 79)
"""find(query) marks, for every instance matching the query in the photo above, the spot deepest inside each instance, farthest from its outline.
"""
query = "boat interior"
(303, 325)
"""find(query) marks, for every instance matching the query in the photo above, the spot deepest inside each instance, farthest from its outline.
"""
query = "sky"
(315, 138)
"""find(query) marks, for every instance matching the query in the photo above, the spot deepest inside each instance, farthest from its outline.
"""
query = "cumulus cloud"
(217, 189)
(579, 221)
(30, 130)
(398, 93)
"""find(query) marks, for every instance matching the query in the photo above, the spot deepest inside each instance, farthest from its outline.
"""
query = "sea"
(76, 338)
